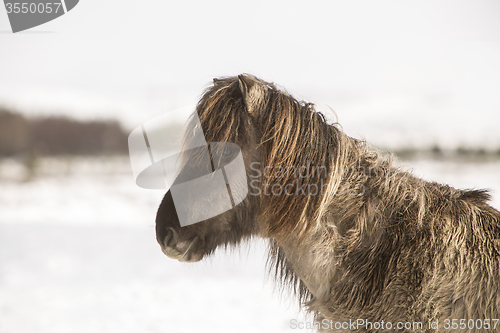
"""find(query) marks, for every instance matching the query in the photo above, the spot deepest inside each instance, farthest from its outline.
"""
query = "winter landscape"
(77, 236)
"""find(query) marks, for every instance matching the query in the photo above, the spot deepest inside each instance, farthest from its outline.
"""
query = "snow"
(60, 278)
(78, 254)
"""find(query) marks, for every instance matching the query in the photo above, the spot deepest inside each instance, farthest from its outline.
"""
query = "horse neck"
(314, 258)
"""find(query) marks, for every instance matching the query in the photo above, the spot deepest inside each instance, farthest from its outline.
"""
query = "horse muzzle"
(184, 251)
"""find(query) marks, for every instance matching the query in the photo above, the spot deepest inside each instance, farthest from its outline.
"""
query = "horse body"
(361, 240)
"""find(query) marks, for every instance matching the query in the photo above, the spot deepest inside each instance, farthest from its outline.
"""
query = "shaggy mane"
(293, 134)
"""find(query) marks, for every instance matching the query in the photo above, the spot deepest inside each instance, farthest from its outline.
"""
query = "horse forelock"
(221, 113)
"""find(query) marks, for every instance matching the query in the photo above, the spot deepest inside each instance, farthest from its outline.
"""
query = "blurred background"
(77, 243)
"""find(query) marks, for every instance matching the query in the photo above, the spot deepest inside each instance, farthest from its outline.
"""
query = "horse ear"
(252, 92)
(245, 84)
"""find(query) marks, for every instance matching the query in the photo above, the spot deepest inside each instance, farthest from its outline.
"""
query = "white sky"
(397, 73)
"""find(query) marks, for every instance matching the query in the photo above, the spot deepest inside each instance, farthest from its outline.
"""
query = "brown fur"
(377, 244)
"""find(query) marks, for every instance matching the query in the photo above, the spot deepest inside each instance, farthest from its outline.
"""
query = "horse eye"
(227, 152)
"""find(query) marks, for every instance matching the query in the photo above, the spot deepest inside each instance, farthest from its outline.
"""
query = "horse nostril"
(168, 235)
(170, 238)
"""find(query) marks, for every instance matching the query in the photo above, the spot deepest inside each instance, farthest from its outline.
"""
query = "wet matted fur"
(372, 242)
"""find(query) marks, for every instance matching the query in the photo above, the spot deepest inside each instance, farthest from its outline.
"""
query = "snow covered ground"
(78, 254)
